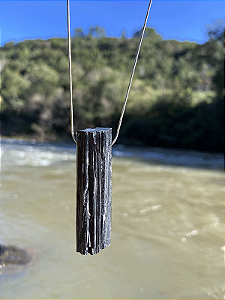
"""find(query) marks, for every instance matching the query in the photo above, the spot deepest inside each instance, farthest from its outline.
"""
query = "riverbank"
(174, 102)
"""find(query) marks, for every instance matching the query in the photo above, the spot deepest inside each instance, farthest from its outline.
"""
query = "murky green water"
(167, 225)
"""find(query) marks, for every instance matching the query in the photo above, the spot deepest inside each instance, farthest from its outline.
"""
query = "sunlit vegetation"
(176, 99)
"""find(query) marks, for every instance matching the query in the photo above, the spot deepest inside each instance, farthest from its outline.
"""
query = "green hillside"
(176, 98)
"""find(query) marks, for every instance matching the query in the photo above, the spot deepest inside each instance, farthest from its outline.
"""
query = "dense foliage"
(176, 99)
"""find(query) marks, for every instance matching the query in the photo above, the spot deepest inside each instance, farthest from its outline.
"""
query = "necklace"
(94, 186)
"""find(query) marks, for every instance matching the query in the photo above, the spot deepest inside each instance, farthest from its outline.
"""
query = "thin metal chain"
(132, 75)
(70, 72)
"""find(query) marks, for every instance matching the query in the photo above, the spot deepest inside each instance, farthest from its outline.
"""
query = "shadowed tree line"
(176, 99)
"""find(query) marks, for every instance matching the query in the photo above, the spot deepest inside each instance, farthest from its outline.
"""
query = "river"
(167, 224)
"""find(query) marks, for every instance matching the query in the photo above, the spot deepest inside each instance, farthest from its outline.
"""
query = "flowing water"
(167, 224)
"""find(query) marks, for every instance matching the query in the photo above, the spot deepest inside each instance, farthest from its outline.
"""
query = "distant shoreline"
(151, 155)
(125, 144)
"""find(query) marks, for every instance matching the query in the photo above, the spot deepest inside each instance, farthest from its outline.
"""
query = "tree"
(216, 31)
(150, 33)
(13, 85)
(79, 33)
(43, 79)
(97, 32)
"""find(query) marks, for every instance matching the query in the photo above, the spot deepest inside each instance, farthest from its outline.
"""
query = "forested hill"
(176, 98)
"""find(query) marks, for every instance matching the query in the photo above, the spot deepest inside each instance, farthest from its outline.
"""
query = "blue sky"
(181, 20)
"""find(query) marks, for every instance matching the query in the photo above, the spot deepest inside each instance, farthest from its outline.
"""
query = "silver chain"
(131, 77)
(70, 72)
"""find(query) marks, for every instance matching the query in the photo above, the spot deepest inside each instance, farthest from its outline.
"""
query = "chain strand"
(70, 72)
(132, 75)
(129, 85)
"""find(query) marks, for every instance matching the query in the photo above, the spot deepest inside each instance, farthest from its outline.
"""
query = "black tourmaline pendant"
(94, 190)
